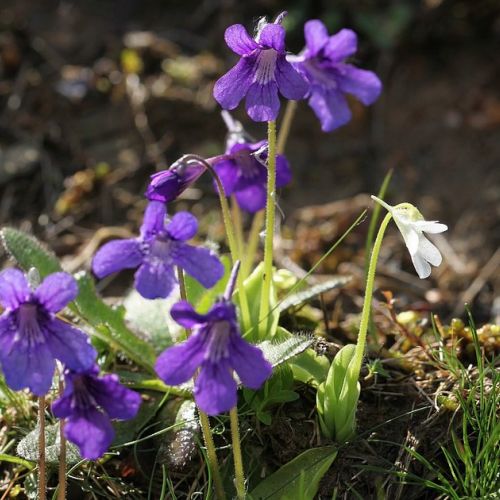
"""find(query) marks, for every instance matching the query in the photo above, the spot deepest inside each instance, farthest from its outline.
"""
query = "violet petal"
(262, 102)
(183, 226)
(14, 289)
(115, 256)
(239, 41)
(154, 279)
(56, 291)
(290, 83)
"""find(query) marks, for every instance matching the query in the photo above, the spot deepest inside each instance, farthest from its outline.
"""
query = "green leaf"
(27, 448)
(152, 319)
(299, 478)
(310, 368)
(28, 252)
(109, 324)
(203, 298)
(285, 347)
(299, 298)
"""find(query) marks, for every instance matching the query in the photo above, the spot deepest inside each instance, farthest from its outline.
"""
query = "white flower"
(412, 225)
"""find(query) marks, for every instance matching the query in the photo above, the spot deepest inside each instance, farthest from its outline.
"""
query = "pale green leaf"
(285, 347)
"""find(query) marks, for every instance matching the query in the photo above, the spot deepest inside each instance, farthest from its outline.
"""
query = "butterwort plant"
(160, 246)
(337, 397)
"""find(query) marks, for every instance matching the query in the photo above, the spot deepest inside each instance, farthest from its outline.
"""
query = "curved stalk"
(286, 125)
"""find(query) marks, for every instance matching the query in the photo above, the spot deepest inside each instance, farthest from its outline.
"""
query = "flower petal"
(239, 41)
(117, 400)
(227, 170)
(262, 101)
(252, 198)
(429, 251)
(430, 226)
(273, 36)
(14, 289)
(183, 313)
(91, 431)
(410, 235)
(249, 362)
(8, 331)
(154, 280)
(69, 345)
(341, 45)
(154, 218)
(115, 256)
(183, 226)
(177, 364)
(365, 85)
(28, 364)
(200, 263)
(56, 291)
(330, 107)
(230, 89)
(283, 172)
(316, 36)
(421, 266)
(215, 388)
(290, 83)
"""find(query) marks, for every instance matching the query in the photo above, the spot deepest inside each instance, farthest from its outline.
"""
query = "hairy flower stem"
(252, 243)
(238, 461)
(286, 125)
(42, 486)
(213, 463)
(231, 236)
(238, 223)
(61, 491)
(268, 242)
(365, 315)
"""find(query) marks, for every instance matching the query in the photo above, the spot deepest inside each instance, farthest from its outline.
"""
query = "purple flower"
(260, 73)
(167, 185)
(217, 348)
(245, 176)
(161, 246)
(323, 65)
(88, 404)
(32, 337)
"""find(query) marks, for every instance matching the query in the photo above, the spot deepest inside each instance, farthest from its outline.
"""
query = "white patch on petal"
(429, 251)
(421, 266)
(266, 64)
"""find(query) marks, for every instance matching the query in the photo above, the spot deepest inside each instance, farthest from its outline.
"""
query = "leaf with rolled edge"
(299, 298)
(337, 398)
(109, 324)
(299, 478)
(310, 368)
(28, 252)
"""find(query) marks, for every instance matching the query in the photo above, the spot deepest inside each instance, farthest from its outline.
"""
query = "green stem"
(252, 243)
(61, 492)
(268, 242)
(42, 485)
(238, 226)
(286, 124)
(365, 315)
(238, 461)
(213, 463)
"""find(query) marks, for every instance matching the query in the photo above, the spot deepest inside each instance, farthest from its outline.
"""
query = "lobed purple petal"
(63, 407)
(154, 218)
(290, 83)
(183, 313)
(56, 291)
(154, 279)
(262, 102)
(183, 226)
(14, 288)
(28, 364)
(365, 85)
(330, 107)
(239, 41)
(115, 256)
(341, 45)
(230, 89)
(227, 170)
(249, 362)
(117, 400)
(283, 172)
(252, 198)
(8, 332)
(91, 431)
(273, 36)
(215, 388)
(316, 36)
(178, 364)
(69, 345)
(200, 263)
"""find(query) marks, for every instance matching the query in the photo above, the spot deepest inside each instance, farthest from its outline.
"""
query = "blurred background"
(96, 96)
